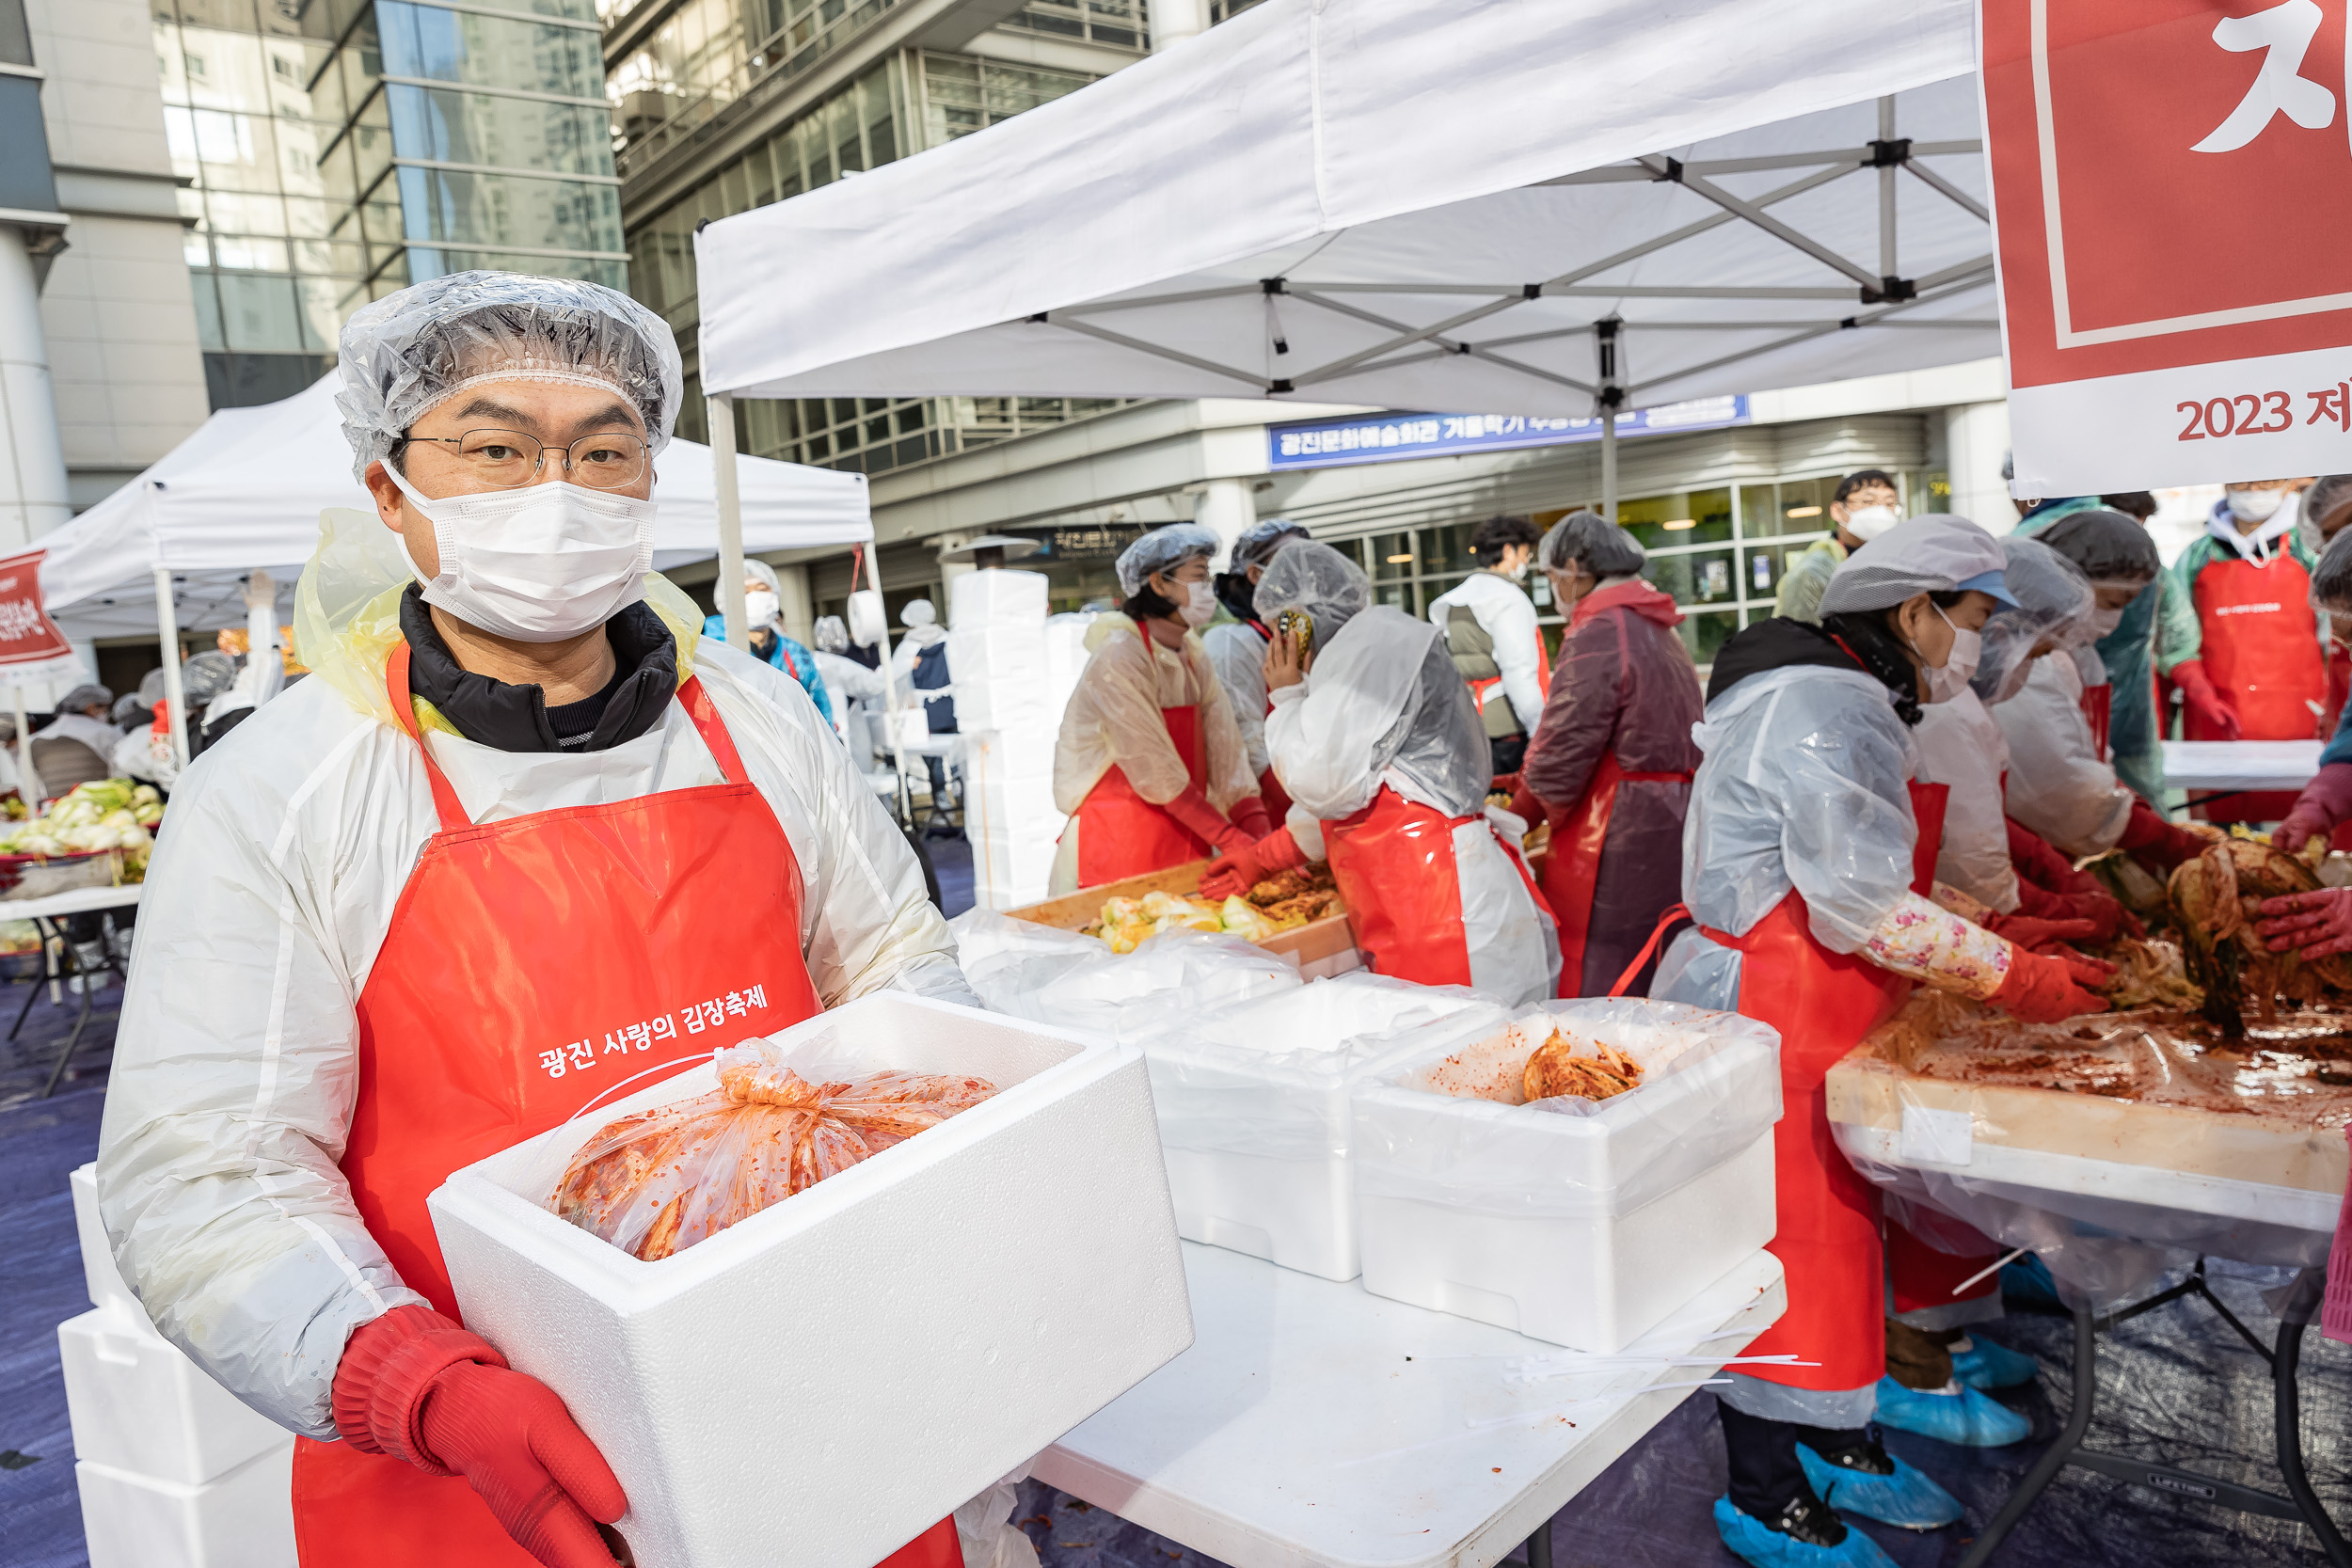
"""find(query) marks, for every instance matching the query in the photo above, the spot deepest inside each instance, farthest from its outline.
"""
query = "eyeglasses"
(504, 459)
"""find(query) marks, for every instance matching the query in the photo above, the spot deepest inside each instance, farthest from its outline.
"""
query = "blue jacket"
(786, 655)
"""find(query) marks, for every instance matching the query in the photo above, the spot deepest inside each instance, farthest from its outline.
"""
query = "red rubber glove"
(2039, 861)
(2039, 903)
(417, 1386)
(2158, 845)
(1526, 807)
(2210, 706)
(1248, 813)
(2032, 934)
(2105, 912)
(1193, 810)
(2042, 990)
(1236, 871)
(2312, 925)
(2325, 801)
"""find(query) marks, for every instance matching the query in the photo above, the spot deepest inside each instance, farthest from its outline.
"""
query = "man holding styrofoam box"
(516, 858)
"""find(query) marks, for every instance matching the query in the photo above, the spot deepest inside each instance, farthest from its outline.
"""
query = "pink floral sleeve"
(1932, 944)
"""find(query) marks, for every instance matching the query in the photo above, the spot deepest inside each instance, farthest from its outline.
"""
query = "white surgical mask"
(2255, 506)
(1518, 573)
(1950, 678)
(538, 564)
(2105, 620)
(1200, 606)
(1872, 521)
(760, 607)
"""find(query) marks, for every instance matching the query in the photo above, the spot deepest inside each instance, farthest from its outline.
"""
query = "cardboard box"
(1321, 948)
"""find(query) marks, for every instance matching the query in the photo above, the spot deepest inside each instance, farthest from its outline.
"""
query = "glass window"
(259, 313)
(1684, 517)
(1794, 506)
(453, 127)
(1706, 632)
(1394, 557)
(1701, 577)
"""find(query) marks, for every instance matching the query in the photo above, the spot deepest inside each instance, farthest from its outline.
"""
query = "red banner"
(28, 638)
(2173, 193)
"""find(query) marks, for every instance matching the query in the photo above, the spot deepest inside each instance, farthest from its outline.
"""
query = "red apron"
(534, 969)
(1920, 1276)
(1121, 835)
(2261, 651)
(1482, 690)
(1393, 862)
(2099, 712)
(1827, 1231)
(1572, 865)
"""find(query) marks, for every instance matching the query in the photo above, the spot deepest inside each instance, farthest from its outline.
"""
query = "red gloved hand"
(1248, 813)
(1236, 871)
(1507, 783)
(2157, 844)
(2036, 902)
(2105, 912)
(1191, 808)
(2211, 708)
(2312, 925)
(417, 1386)
(2325, 801)
(2031, 933)
(1526, 807)
(2042, 990)
(2037, 861)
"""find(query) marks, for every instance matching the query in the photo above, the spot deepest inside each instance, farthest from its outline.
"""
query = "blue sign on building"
(1385, 437)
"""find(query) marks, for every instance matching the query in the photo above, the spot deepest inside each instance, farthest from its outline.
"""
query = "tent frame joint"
(1891, 153)
(1891, 291)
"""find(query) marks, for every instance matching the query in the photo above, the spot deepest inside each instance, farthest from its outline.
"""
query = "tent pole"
(1609, 461)
(722, 410)
(175, 690)
(27, 790)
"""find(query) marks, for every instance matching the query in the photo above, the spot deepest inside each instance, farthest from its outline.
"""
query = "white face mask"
(538, 564)
(761, 607)
(1517, 573)
(1950, 678)
(1200, 606)
(2106, 621)
(1872, 521)
(2255, 506)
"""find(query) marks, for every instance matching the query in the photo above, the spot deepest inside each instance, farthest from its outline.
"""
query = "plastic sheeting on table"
(1076, 982)
(1710, 1087)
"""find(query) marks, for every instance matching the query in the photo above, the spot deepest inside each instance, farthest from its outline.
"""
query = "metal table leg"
(2046, 1468)
(2302, 1302)
(74, 966)
(1539, 1546)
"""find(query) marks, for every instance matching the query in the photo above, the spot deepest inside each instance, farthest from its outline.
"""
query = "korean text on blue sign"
(1385, 437)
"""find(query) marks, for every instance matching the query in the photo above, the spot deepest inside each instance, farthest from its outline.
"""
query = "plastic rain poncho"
(268, 898)
(1961, 745)
(2058, 786)
(407, 352)
(1237, 653)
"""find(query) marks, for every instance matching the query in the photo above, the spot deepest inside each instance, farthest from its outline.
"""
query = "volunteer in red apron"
(1149, 765)
(1808, 859)
(2325, 807)
(2238, 637)
(1375, 737)
(523, 842)
(1610, 764)
(1236, 649)
(1489, 626)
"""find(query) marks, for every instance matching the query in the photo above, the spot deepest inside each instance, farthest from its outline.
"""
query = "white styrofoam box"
(139, 1404)
(997, 594)
(244, 1519)
(1586, 1229)
(1254, 1111)
(101, 1278)
(820, 1382)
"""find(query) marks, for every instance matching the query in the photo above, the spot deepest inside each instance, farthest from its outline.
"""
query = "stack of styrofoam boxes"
(174, 1471)
(996, 660)
(1583, 1223)
(1254, 1111)
(820, 1382)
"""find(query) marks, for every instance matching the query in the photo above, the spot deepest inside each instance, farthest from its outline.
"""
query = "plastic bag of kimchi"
(659, 1181)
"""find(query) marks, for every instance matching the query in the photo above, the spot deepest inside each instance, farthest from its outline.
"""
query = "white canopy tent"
(1475, 206)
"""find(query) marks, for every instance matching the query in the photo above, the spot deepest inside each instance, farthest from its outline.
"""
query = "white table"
(1317, 1424)
(2205, 766)
(80, 900)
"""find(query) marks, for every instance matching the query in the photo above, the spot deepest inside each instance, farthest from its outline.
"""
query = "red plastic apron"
(534, 969)
(1121, 835)
(2261, 651)
(1572, 865)
(1827, 1231)
(1393, 862)
(2099, 712)
(1480, 689)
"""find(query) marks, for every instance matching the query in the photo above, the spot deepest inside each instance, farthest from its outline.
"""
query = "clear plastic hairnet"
(765, 575)
(832, 635)
(1164, 550)
(84, 696)
(1318, 579)
(1260, 540)
(2331, 580)
(1589, 540)
(2332, 493)
(2054, 599)
(2108, 545)
(919, 612)
(206, 677)
(129, 713)
(151, 687)
(1933, 554)
(409, 351)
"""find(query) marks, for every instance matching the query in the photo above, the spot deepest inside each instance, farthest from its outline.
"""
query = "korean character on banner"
(714, 1013)
(2332, 404)
(583, 1053)
(554, 1061)
(665, 1028)
(692, 1018)
(735, 1004)
(640, 1035)
(616, 1042)
(757, 995)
